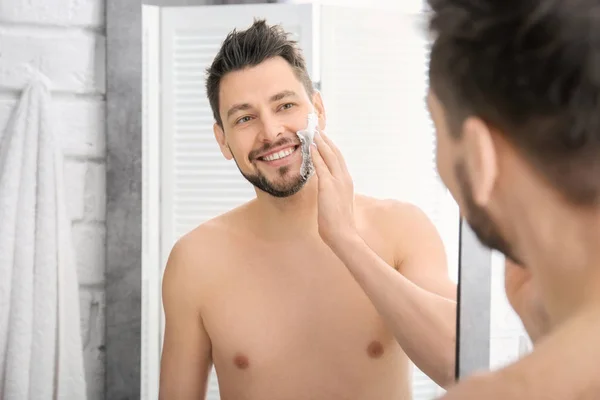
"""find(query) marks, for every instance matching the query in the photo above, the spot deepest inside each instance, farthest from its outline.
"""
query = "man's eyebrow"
(238, 107)
(282, 95)
(245, 106)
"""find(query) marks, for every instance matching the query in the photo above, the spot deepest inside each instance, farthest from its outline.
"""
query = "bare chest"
(298, 310)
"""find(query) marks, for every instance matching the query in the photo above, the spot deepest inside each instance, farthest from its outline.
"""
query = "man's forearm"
(423, 323)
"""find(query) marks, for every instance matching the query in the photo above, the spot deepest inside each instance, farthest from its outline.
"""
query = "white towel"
(41, 355)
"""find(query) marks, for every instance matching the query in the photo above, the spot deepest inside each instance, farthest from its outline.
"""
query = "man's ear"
(481, 159)
(220, 136)
(319, 109)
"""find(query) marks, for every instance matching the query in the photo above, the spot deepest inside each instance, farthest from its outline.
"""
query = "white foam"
(307, 136)
(308, 133)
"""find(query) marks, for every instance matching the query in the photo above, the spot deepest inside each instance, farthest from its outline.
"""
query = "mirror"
(276, 311)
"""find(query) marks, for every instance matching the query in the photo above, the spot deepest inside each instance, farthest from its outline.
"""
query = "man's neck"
(288, 217)
(562, 246)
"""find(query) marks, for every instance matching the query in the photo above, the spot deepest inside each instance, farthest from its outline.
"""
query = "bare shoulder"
(418, 249)
(196, 257)
(198, 247)
(206, 241)
(393, 215)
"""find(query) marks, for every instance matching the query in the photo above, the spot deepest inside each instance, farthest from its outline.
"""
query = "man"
(259, 295)
(515, 98)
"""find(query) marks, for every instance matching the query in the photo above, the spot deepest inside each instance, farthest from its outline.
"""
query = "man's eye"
(242, 120)
(287, 106)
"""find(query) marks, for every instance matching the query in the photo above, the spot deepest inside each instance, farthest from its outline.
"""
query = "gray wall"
(123, 221)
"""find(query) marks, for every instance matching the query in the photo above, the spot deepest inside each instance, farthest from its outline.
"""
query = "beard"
(479, 219)
(287, 182)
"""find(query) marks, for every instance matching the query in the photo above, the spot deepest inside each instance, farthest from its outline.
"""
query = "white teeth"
(279, 154)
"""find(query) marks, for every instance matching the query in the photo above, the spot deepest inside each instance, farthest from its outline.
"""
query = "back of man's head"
(249, 48)
(530, 69)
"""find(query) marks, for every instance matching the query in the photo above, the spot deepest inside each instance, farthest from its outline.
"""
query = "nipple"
(241, 361)
(375, 349)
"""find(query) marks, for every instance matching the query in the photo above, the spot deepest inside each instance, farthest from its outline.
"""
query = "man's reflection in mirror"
(309, 291)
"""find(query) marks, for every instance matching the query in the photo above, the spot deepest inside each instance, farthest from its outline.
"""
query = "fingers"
(320, 167)
(336, 151)
(328, 155)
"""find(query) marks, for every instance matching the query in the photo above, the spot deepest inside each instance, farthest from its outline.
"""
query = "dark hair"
(530, 68)
(248, 48)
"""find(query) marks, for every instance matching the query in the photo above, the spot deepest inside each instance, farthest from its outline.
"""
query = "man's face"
(452, 157)
(262, 108)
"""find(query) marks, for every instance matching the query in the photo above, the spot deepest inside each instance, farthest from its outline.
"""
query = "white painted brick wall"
(64, 39)
(54, 12)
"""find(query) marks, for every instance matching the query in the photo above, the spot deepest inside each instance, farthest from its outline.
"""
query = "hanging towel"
(41, 354)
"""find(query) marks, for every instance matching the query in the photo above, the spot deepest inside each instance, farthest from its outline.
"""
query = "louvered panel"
(197, 161)
(374, 83)
(198, 184)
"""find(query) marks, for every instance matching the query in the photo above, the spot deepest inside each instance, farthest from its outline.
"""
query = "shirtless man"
(257, 293)
(515, 98)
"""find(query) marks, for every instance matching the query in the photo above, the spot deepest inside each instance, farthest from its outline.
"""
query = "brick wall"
(64, 39)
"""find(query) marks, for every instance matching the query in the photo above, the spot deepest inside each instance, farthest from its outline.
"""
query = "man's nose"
(272, 128)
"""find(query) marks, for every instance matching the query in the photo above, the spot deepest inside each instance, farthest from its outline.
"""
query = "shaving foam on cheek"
(307, 136)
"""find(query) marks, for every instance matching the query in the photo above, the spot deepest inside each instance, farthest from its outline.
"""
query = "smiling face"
(261, 108)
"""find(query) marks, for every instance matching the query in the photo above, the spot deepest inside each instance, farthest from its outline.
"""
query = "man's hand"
(336, 192)
(523, 296)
